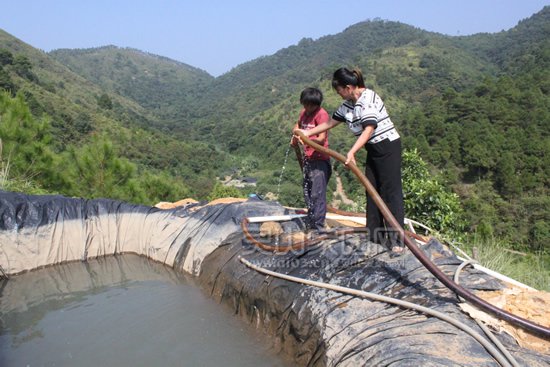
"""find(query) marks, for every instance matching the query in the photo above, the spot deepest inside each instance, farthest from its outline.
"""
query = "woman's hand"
(350, 158)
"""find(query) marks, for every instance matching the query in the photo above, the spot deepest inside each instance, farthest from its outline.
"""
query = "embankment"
(313, 326)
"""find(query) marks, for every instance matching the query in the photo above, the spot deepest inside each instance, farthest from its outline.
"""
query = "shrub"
(426, 199)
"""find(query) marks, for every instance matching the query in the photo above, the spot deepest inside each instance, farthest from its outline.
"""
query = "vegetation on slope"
(80, 114)
(473, 112)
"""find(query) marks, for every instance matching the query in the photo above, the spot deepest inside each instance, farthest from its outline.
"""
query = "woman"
(365, 114)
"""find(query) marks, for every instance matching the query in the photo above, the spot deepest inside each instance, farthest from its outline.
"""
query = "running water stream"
(284, 167)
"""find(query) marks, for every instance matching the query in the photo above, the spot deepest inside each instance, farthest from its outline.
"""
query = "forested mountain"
(476, 108)
(411, 64)
(162, 86)
(86, 119)
(49, 87)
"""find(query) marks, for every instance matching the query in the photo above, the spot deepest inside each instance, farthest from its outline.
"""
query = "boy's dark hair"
(311, 96)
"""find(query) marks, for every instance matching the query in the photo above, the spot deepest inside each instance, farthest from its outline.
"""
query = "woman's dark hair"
(311, 96)
(344, 76)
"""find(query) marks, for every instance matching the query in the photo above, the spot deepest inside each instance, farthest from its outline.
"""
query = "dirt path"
(339, 196)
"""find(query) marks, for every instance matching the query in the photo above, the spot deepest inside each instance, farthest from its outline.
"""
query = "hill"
(82, 116)
(407, 63)
(475, 108)
(160, 85)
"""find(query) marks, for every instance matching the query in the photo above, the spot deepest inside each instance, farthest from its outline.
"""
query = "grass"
(532, 269)
(16, 184)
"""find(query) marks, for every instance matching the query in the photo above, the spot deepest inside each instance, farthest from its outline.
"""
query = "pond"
(121, 311)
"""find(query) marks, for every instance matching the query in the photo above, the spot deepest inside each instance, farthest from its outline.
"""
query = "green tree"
(507, 181)
(162, 187)
(105, 102)
(25, 143)
(426, 199)
(222, 191)
(5, 82)
(540, 233)
(23, 67)
(6, 57)
(98, 171)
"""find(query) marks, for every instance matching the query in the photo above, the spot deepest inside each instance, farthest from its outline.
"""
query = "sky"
(218, 35)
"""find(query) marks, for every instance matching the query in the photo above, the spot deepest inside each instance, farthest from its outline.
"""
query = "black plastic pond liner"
(312, 326)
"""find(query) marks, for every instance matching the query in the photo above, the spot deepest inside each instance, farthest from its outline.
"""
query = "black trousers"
(316, 176)
(383, 169)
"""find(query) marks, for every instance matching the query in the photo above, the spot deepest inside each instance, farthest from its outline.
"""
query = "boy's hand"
(298, 136)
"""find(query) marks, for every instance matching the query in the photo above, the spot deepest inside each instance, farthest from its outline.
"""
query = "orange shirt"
(307, 122)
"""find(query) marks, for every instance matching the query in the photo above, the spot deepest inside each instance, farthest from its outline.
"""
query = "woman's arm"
(320, 128)
(359, 143)
(319, 138)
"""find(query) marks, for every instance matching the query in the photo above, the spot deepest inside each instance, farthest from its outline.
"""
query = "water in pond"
(120, 311)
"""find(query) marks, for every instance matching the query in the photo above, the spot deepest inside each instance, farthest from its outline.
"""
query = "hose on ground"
(376, 297)
(485, 329)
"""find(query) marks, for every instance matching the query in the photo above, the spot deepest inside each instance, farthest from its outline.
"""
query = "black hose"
(539, 330)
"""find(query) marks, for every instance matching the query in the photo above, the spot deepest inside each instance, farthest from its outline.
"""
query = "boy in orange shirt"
(316, 166)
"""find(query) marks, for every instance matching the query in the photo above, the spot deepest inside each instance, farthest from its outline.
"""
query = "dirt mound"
(226, 201)
(528, 304)
(168, 205)
(188, 201)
